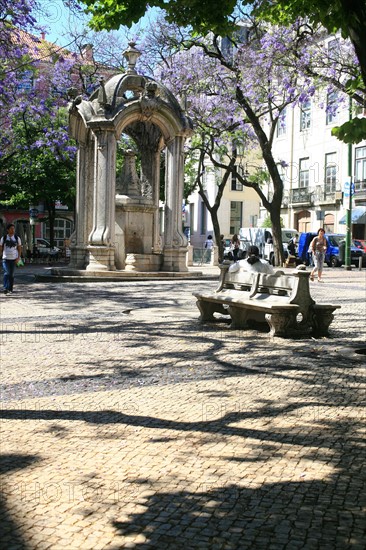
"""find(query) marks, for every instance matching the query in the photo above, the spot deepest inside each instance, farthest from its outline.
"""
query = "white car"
(43, 248)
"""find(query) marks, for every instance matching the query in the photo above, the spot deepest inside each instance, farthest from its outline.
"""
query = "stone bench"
(281, 300)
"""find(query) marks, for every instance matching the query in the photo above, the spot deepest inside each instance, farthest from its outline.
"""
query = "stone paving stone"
(147, 430)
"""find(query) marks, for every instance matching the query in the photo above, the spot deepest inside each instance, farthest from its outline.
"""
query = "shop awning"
(358, 215)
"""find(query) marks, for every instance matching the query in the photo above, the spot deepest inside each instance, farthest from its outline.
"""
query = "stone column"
(84, 206)
(157, 238)
(101, 239)
(175, 242)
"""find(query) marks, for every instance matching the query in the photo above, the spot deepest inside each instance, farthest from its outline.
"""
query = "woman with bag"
(11, 250)
(318, 248)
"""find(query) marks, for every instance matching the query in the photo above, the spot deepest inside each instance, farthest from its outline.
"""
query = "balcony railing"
(326, 193)
(360, 186)
(330, 193)
(302, 194)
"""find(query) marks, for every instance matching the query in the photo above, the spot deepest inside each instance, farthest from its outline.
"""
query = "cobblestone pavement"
(126, 424)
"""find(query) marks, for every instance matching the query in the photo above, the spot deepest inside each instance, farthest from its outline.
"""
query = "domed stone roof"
(129, 98)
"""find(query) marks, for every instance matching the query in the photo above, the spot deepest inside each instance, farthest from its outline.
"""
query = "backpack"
(11, 244)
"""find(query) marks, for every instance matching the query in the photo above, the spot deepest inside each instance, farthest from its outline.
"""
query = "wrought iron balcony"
(360, 189)
(328, 193)
(302, 195)
(360, 185)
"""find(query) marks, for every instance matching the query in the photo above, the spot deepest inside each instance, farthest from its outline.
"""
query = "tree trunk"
(277, 236)
(217, 232)
(356, 10)
(51, 209)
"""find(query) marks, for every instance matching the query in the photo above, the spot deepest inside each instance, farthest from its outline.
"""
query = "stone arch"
(121, 230)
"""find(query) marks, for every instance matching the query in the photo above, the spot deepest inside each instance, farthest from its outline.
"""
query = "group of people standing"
(254, 263)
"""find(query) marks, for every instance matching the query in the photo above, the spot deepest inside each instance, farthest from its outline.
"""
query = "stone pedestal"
(215, 256)
(175, 259)
(101, 258)
(79, 256)
(143, 262)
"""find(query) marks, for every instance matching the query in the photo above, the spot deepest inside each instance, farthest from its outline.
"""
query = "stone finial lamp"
(132, 55)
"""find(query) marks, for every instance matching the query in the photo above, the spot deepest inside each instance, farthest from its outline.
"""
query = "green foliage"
(259, 176)
(268, 224)
(353, 85)
(352, 131)
(331, 15)
(201, 16)
(37, 171)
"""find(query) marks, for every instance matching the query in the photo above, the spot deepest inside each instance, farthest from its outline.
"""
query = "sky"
(59, 19)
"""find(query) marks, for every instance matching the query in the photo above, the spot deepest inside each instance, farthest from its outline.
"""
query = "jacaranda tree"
(237, 89)
(348, 16)
(37, 157)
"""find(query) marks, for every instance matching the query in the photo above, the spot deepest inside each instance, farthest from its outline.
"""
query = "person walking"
(209, 244)
(318, 248)
(11, 250)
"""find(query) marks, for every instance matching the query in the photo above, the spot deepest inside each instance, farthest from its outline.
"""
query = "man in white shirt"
(252, 263)
(11, 250)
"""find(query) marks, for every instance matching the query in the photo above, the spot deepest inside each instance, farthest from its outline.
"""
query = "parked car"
(43, 249)
(335, 254)
(360, 244)
(263, 238)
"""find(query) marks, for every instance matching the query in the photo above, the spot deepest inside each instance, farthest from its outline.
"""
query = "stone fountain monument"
(118, 222)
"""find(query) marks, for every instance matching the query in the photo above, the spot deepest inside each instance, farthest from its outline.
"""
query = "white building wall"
(314, 143)
(250, 210)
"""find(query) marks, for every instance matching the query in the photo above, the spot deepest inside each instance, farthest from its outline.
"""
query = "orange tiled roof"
(39, 47)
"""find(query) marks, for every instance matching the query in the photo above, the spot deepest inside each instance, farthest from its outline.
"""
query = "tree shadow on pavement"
(308, 506)
(303, 514)
(11, 535)
(134, 355)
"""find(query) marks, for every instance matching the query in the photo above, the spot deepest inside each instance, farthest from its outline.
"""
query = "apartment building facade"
(317, 168)
(239, 207)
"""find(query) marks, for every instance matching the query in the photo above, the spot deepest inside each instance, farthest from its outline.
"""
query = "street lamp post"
(349, 203)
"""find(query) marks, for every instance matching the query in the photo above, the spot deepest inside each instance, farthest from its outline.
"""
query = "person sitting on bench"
(252, 263)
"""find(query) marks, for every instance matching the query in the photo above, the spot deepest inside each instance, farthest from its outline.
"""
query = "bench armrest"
(224, 268)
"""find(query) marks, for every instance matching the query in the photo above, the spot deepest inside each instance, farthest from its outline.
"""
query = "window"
(240, 148)
(360, 164)
(235, 184)
(191, 216)
(281, 123)
(331, 170)
(332, 107)
(236, 208)
(62, 228)
(253, 221)
(304, 173)
(305, 115)
(203, 224)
